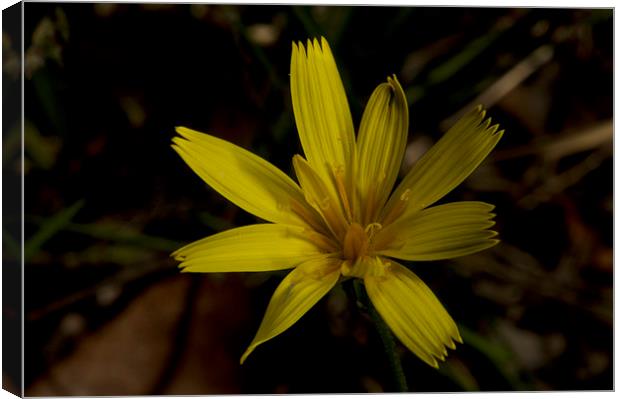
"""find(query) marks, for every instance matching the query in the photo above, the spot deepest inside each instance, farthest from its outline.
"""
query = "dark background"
(107, 200)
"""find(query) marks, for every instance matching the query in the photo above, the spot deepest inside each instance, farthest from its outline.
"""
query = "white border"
(456, 3)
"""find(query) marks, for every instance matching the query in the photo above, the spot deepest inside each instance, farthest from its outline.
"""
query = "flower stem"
(386, 336)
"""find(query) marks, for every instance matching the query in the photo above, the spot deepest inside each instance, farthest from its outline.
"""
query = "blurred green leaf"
(118, 254)
(305, 17)
(62, 24)
(456, 371)
(401, 18)
(119, 232)
(282, 126)
(49, 227)
(333, 21)
(453, 65)
(214, 222)
(42, 150)
(115, 232)
(497, 353)
(10, 245)
(48, 85)
(456, 63)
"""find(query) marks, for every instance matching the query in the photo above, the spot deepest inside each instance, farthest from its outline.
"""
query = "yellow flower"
(343, 219)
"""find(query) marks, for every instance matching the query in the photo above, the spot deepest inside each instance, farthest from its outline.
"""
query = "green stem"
(389, 345)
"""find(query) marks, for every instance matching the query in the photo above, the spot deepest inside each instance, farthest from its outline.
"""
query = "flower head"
(344, 218)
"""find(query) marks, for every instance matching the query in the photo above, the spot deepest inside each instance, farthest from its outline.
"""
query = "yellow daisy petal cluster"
(343, 217)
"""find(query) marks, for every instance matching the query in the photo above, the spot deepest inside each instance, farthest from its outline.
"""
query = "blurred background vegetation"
(107, 200)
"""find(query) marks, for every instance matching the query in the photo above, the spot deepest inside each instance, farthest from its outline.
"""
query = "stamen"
(405, 195)
(398, 208)
(324, 203)
(387, 265)
(372, 229)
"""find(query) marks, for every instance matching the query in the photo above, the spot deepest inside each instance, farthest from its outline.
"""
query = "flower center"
(355, 242)
(358, 240)
(357, 251)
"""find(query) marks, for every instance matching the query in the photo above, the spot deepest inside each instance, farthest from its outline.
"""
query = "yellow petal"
(245, 179)
(413, 313)
(381, 144)
(298, 292)
(321, 108)
(445, 165)
(441, 232)
(253, 248)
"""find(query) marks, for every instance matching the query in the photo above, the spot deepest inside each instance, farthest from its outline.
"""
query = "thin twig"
(504, 85)
(559, 146)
